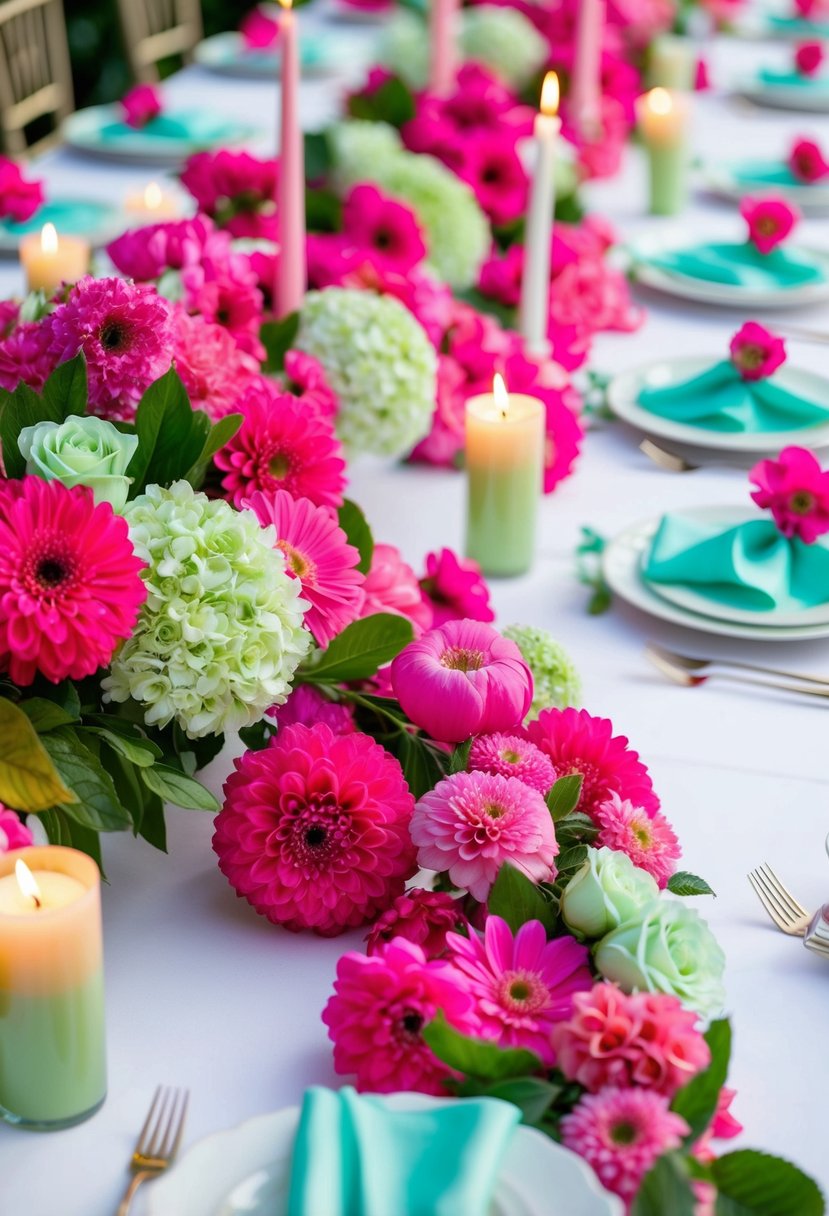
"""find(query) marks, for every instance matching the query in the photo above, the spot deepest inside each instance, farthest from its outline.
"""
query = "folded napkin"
(768, 172)
(355, 1156)
(793, 79)
(804, 27)
(719, 399)
(741, 265)
(750, 565)
(70, 218)
(196, 126)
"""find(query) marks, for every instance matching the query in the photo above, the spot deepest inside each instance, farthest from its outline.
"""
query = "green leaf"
(476, 1058)
(21, 408)
(153, 828)
(533, 1095)
(45, 715)
(420, 765)
(175, 787)
(60, 829)
(517, 900)
(563, 798)
(460, 757)
(138, 751)
(576, 828)
(600, 601)
(362, 647)
(171, 434)
(393, 103)
(66, 392)
(756, 1184)
(697, 1100)
(97, 804)
(277, 338)
(29, 780)
(571, 858)
(684, 883)
(317, 156)
(220, 433)
(353, 523)
(665, 1190)
(257, 736)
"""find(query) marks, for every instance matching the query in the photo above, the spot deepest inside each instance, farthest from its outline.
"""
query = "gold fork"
(158, 1140)
(789, 915)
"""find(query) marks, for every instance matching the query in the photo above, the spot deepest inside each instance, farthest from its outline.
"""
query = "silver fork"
(692, 673)
(158, 1141)
(782, 907)
(674, 463)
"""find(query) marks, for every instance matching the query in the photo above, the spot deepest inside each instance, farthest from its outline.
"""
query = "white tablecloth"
(203, 993)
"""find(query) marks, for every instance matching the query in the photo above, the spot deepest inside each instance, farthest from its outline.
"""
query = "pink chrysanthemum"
(386, 228)
(282, 446)
(796, 491)
(70, 587)
(24, 355)
(770, 220)
(377, 1013)
(807, 162)
(421, 916)
(13, 832)
(391, 586)
(308, 706)
(455, 588)
(319, 555)
(125, 332)
(215, 371)
(471, 823)
(576, 742)
(646, 1039)
(620, 1133)
(314, 830)
(648, 839)
(521, 985)
(756, 352)
(512, 756)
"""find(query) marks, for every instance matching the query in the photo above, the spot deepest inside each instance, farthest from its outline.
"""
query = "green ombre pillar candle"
(52, 1040)
(663, 125)
(504, 468)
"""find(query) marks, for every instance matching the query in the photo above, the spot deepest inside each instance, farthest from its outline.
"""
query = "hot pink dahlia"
(620, 1133)
(512, 756)
(215, 371)
(648, 839)
(377, 1013)
(24, 355)
(391, 586)
(388, 229)
(125, 332)
(646, 1039)
(796, 491)
(19, 198)
(319, 555)
(314, 831)
(521, 985)
(421, 916)
(281, 445)
(770, 220)
(13, 832)
(455, 588)
(308, 706)
(756, 352)
(576, 742)
(471, 823)
(70, 587)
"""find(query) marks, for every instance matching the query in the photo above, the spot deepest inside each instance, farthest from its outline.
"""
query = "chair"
(35, 72)
(156, 30)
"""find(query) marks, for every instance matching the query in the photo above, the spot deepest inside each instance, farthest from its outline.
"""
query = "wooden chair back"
(35, 72)
(158, 29)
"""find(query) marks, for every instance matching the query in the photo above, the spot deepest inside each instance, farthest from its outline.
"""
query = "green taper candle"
(52, 1040)
(663, 125)
(504, 468)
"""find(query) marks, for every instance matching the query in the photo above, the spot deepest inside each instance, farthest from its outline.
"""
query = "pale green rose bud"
(81, 452)
(669, 948)
(607, 890)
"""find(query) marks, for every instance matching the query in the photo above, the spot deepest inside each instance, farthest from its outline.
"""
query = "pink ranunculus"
(19, 198)
(141, 105)
(259, 30)
(421, 916)
(796, 491)
(13, 832)
(756, 352)
(809, 58)
(387, 229)
(391, 586)
(446, 438)
(770, 220)
(462, 679)
(807, 162)
(455, 588)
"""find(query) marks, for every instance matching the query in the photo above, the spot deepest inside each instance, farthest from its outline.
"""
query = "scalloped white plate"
(785, 96)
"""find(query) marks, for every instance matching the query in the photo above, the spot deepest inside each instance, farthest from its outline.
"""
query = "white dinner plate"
(785, 96)
(226, 54)
(623, 398)
(83, 131)
(245, 1171)
(622, 564)
(726, 180)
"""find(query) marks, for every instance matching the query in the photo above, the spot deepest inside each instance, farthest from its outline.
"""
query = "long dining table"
(200, 992)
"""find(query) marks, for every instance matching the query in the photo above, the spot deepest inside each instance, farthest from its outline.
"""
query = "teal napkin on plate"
(768, 172)
(355, 1156)
(195, 126)
(741, 265)
(73, 218)
(804, 27)
(750, 565)
(719, 399)
(793, 79)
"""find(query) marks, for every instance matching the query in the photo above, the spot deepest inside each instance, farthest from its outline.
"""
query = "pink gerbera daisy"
(387, 228)
(70, 587)
(13, 832)
(649, 840)
(421, 916)
(319, 555)
(215, 371)
(512, 756)
(620, 1133)
(455, 588)
(377, 1013)
(314, 830)
(471, 823)
(576, 742)
(521, 985)
(281, 445)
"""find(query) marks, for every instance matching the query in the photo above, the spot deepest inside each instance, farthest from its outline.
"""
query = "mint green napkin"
(792, 79)
(767, 172)
(355, 1156)
(804, 27)
(750, 565)
(741, 265)
(311, 53)
(194, 126)
(719, 399)
(69, 217)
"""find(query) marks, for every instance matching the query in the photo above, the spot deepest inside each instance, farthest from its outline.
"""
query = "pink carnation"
(141, 105)
(308, 706)
(260, 32)
(512, 756)
(796, 491)
(648, 839)
(809, 57)
(391, 586)
(423, 917)
(214, 370)
(770, 220)
(388, 229)
(236, 189)
(807, 162)
(24, 355)
(13, 832)
(19, 198)
(455, 588)
(305, 377)
(756, 352)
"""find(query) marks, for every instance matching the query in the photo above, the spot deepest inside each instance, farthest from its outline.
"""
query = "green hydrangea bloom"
(505, 41)
(358, 147)
(404, 48)
(221, 633)
(555, 679)
(379, 362)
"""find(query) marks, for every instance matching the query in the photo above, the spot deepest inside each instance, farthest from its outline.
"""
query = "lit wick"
(499, 391)
(26, 882)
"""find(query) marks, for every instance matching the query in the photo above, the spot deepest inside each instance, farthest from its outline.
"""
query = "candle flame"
(286, 3)
(499, 391)
(49, 238)
(660, 101)
(153, 196)
(26, 881)
(550, 95)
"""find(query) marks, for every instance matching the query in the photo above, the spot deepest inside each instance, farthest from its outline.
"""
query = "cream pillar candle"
(672, 62)
(535, 282)
(663, 125)
(49, 260)
(151, 206)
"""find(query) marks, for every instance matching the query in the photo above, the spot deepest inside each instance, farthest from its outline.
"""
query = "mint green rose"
(608, 890)
(81, 452)
(669, 948)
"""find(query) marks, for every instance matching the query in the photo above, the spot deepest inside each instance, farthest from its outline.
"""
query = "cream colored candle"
(672, 62)
(663, 119)
(49, 260)
(152, 205)
(535, 282)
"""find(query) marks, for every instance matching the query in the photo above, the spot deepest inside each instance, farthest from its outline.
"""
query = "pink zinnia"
(455, 588)
(770, 220)
(281, 446)
(19, 198)
(259, 31)
(314, 831)
(319, 555)
(377, 1013)
(576, 742)
(621, 1133)
(471, 823)
(387, 228)
(807, 162)
(141, 105)
(756, 352)
(391, 586)
(521, 985)
(421, 916)
(462, 679)
(70, 587)
(13, 832)
(646, 1039)
(308, 706)
(648, 839)
(214, 370)
(512, 756)
(796, 491)
(808, 58)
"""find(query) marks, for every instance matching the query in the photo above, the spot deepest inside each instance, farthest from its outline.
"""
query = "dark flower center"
(383, 239)
(751, 356)
(279, 465)
(624, 1133)
(314, 837)
(519, 991)
(801, 502)
(114, 335)
(491, 175)
(766, 226)
(51, 571)
(460, 659)
(411, 1023)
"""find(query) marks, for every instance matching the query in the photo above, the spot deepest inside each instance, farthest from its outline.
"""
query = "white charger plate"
(623, 398)
(82, 130)
(721, 179)
(245, 1171)
(783, 96)
(225, 54)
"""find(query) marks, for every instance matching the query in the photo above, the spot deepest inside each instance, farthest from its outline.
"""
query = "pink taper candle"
(291, 273)
(443, 17)
(586, 85)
